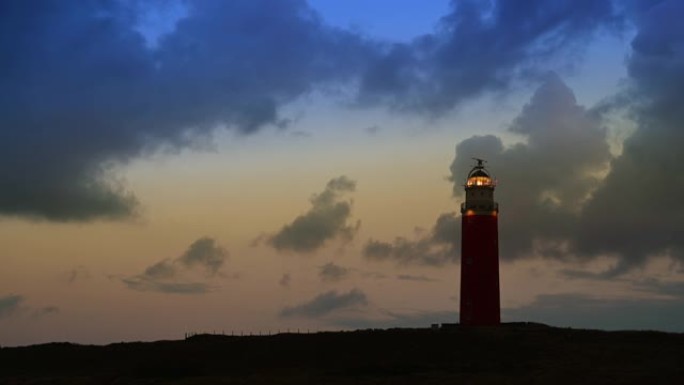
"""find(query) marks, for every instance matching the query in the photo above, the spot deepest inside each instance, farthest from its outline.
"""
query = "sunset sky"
(262, 165)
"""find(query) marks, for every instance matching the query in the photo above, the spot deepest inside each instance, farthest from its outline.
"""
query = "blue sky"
(388, 20)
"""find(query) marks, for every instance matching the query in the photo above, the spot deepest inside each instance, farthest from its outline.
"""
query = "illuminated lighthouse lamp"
(479, 177)
(479, 189)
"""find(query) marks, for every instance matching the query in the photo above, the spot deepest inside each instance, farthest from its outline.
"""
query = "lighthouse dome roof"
(478, 172)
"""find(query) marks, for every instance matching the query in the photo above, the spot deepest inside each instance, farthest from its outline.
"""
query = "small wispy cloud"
(324, 221)
(9, 304)
(15, 305)
(45, 311)
(416, 278)
(331, 272)
(327, 303)
(180, 275)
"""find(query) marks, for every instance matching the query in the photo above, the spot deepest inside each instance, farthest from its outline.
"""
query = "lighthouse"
(479, 250)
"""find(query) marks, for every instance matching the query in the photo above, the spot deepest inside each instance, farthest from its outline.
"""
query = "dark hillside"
(510, 354)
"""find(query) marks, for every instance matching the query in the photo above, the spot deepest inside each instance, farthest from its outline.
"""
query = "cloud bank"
(562, 193)
(84, 92)
(637, 212)
(555, 200)
(561, 207)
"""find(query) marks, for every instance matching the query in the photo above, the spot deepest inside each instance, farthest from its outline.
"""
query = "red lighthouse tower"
(479, 250)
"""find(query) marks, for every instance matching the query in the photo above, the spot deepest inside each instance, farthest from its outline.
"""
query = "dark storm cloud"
(545, 180)
(332, 273)
(582, 311)
(82, 93)
(171, 276)
(482, 46)
(9, 304)
(436, 248)
(638, 211)
(327, 303)
(325, 220)
(552, 201)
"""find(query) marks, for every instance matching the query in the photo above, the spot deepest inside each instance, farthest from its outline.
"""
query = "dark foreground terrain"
(509, 354)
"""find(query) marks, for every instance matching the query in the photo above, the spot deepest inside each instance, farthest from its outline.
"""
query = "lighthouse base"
(480, 303)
